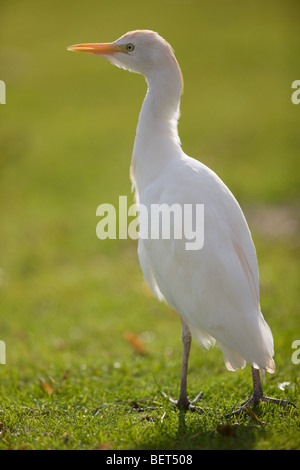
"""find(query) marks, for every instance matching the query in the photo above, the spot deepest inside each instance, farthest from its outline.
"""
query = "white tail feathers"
(256, 348)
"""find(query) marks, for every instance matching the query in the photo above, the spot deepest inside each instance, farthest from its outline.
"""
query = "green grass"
(72, 379)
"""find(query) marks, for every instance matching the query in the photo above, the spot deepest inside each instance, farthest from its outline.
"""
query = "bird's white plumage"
(215, 289)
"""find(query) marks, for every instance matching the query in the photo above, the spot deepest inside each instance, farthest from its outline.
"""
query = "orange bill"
(97, 48)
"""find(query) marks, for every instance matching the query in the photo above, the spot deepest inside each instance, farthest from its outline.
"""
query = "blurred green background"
(66, 136)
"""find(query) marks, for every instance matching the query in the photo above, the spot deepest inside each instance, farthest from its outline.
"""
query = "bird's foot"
(254, 400)
(185, 403)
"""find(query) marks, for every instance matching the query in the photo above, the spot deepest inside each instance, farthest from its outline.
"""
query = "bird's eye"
(129, 47)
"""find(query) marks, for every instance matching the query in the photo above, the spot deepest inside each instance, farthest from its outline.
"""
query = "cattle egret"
(214, 289)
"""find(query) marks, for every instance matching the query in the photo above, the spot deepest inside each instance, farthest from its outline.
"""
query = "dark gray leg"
(258, 395)
(186, 338)
(183, 401)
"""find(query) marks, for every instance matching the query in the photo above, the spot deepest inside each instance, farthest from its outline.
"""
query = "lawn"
(89, 350)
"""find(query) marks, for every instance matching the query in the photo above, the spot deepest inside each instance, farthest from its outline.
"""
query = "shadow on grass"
(195, 431)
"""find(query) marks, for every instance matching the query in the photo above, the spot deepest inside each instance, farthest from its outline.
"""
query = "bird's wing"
(214, 289)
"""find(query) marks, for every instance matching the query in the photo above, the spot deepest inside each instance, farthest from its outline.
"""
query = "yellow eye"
(129, 47)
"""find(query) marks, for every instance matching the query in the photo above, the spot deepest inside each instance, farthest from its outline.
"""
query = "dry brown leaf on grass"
(65, 376)
(47, 387)
(253, 415)
(104, 446)
(226, 430)
(20, 447)
(135, 342)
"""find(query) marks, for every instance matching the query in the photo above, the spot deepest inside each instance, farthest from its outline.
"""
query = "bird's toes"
(196, 409)
(278, 401)
(198, 397)
(185, 404)
(237, 412)
(255, 400)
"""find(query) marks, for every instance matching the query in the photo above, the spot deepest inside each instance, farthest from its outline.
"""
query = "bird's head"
(140, 51)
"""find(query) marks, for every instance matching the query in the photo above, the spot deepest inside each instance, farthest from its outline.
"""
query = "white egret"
(215, 289)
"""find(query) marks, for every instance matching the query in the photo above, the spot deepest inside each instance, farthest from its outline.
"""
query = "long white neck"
(157, 141)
